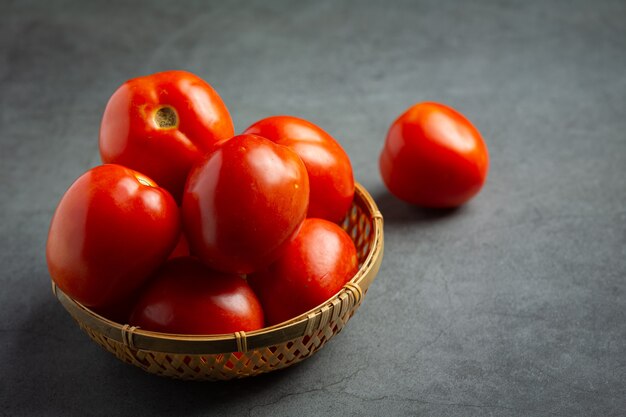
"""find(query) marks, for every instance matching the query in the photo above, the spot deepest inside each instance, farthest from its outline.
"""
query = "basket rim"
(293, 328)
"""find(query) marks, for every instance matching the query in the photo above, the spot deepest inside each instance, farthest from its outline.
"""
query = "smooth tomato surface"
(112, 229)
(434, 157)
(162, 124)
(186, 297)
(328, 165)
(244, 203)
(119, 312)
(319, 261)
(181, 249)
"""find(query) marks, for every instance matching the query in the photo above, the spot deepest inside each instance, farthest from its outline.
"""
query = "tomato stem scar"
(144, 181)
(166, 117)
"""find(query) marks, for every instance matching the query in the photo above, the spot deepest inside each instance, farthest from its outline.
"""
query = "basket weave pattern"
(240, 355)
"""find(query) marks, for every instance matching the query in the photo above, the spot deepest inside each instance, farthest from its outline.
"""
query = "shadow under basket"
(243, 354)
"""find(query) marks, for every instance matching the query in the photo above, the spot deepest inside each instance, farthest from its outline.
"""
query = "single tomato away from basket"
(161, 124)
(186, 297)
(111, 230)
(315, 266)
(434, 157)
(330, 172)
(244, 203)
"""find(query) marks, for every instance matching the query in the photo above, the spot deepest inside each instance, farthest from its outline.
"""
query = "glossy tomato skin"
(434, 157)
(244, 203)
(328, 165)
(111, 230)
(162, 124)
(186, 297)
(315, 266)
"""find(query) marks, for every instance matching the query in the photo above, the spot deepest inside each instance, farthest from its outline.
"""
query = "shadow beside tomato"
(396, 211)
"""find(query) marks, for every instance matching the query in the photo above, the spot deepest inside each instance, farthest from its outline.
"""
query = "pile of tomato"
(188, 228)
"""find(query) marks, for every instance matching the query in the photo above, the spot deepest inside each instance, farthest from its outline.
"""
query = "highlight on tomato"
(244, 203)
(315, 266)
(328, 165)
(434, 157)
(111, 230)
(186, 297)
(162, 124)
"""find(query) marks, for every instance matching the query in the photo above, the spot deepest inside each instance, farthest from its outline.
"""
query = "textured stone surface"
(514, 305)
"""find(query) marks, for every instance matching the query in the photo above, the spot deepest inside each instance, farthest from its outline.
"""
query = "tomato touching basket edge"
(308, 331)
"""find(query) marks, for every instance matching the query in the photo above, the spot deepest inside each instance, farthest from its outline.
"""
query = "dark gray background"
(514, 305)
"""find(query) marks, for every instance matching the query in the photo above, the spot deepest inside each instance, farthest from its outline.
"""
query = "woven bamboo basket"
(243, 354)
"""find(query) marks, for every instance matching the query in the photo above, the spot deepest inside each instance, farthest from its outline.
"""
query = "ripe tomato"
(244, 203)
(434, 157)
(328, 165)
(119, 312)
(181, 249)
(315, 266)
(162, 124)
(188, 298)
(111, 230)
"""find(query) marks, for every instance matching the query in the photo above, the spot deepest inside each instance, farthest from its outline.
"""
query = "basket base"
(222, 366)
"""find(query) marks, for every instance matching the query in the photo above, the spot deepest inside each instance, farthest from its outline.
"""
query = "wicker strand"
(377, 215)
(336, 303)
(242, 343)
(124, 331)
(356, 292)
(325, 316)
(310, 324)
(345, 303)
(128, 335)
(54, 289)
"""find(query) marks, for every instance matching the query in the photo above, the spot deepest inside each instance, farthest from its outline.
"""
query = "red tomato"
(244, 203)
(434, 157)
(110, 232)
(162, 124)
(314, 267)
(188, 298)
(119, 312)
(328, 165)
(181, 249)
